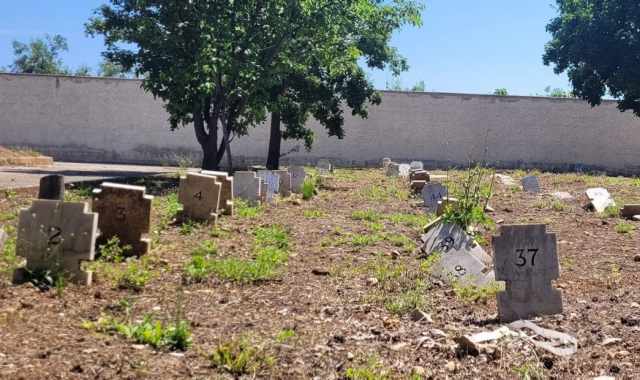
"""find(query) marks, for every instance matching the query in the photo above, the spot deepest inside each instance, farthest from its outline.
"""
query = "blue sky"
(465, 46)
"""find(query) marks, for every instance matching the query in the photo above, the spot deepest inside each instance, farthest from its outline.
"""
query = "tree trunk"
(275, 140)
(210, 159)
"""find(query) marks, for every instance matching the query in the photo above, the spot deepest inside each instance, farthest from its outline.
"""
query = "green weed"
(313, 214)
(112, 251)
(244, 209)
(309, 188)
(285, 335)
(624, 227)
(240, 357)
(372, 370)
(368, 215)
(472, 293)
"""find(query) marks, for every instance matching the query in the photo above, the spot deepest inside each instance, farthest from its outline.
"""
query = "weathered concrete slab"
(284, 187)
(526, 258)
(57, 237)
(385, 162)
(432, 193)
(530, 184)
(200, 197)
(226, 193)
(247, 186)
(404, 170)
(393, 170)
(124, 211)
(298, 175)
(563, 196)
(599, 199)
(52, 187)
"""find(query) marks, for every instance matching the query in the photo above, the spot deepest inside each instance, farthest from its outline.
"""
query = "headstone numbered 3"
(226, 192)
(271, 183)
(526, 258)
(432, 193)
(125, 212)
(57, 237)
(200, 197)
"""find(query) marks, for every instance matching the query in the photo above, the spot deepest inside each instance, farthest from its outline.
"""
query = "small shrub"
(473, 196)
(611, 212)
(285, 335)
(312, 214)
(401, 241)
(199, 267)
(529, 371)
(363, 240)
(558, 205)
(112, 251)
(409, 220)
(624, 227)
(188, 227)
(373, 370)
(273, 236)
(167, 209)
(309, 188)
(472, 293)
(239, 357)
(134, 276)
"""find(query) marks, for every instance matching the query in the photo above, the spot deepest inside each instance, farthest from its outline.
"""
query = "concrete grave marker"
(416, 165)
(530, 184)
(506, 180)
(599, 199)
(3, 239)
(246, 185)
(125, 212)
(461, 259)
(419, 175)
(404, 170)
(52, 187)
(393, 170)
(200, 197)
(526, 258)
(324, 167)
(629, 211)
(432, 193)
(298, 176)
(263, 191)
(416, 186)
(385, 162)
(284, 187)
(226, 193)
(57, 237)
(272, 183)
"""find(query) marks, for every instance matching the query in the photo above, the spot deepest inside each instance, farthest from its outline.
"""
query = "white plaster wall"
(113, 120)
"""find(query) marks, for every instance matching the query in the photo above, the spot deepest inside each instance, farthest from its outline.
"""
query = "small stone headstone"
(298, 176)
(385, 162)
(530, 184)
(226, 193)
(52, 187)
(200, 197)
(404, 170)
(599, 199)
(432, 193)
(393, 170)
(506, 180)
(272, 182)
(416, 165)
(124, 212)
(246, 185)
(324, 167)
(419, 175)
(284, 188)
(629, 211)
(563, 196)
(461, 259)
(526, 258)
(56, 237)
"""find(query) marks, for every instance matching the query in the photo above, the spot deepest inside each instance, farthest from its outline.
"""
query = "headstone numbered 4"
(526, 258)
(57, 237)
(125, 212)
(432, 193)
(200, 197)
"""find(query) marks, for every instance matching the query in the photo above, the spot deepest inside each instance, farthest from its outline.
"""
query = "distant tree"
(596, 43)
(419, 87)
(501, 92)
(83, 71)
(557, 92)
(40, 56)
(113, 70)
(395, 84)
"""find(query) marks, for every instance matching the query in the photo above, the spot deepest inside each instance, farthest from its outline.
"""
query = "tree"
(113, 70)
(595, 42)
(83, 71)
(419, 87)
(501, 92)
(40, 56)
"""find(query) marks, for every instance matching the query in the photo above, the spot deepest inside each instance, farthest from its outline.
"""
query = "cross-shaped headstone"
(125, 212)
(284, 187)
(530, 184)
(393, 170)
(432, 193)
(272, 182)
(298, 176)
(200, 197)
(324, 167)
(57, 237)
(526, 258)
(226, 193)
(460, 257)
(403, 170)
(246, 185)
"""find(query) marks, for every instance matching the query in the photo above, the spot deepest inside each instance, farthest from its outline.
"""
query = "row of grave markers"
(57, 236)
(524, 256)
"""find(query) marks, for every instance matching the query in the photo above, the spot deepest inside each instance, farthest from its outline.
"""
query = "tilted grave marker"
(284, 187)
(298, 175)
(416, 165)
(393, 170)
(125, 212)
(56, 237)
(530, 184)
(200, 197)
(246, 185)
(432, 193)
(460, 258)
(272, 183)
(226, 193)
(324, 167)
(52, 187)
(526, 258)
(599, 199)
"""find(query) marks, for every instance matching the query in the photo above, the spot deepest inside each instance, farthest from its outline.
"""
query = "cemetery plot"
(330, 287)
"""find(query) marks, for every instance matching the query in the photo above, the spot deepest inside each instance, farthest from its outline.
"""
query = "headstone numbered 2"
(57, 237)
(200, 197)
(526, 258)
(432, 193)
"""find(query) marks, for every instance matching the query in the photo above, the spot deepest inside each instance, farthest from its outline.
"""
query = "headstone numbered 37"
(298, 176)
(200, 197)
(526, 258)
(271, 182)
(460, 258)
(432, 193)
(246, 185)
(125, 212)
(57, 237)
(226, 193)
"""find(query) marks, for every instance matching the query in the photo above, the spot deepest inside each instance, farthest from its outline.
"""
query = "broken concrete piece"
(557, 343)
(599, 199)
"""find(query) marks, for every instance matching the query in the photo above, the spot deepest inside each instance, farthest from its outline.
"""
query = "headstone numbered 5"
(200, 197)
(57, 237)
(526, 258)
(432, 193)
(125, 212)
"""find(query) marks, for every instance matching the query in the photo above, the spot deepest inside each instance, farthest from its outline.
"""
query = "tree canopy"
(597, 43)
(223, 65)
(40, 56)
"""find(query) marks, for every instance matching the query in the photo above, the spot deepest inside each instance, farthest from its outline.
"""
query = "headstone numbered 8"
(200, 197)
(432, 193)
(526, 258)
(56, 237)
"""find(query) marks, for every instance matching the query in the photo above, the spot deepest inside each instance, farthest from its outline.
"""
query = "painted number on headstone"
(432, 193)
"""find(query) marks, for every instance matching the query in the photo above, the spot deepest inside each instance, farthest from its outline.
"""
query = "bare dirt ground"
(340, 306)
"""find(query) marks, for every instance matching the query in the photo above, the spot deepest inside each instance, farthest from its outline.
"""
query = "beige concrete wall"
(113, 120)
